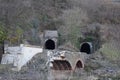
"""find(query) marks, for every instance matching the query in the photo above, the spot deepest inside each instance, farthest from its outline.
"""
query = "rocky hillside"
(72, 19)
(96, 21)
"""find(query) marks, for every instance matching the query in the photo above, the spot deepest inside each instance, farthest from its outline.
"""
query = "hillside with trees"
(97, 21)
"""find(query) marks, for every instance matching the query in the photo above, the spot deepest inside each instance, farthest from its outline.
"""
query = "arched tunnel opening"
(79, 64)
(61, 65)
(50, 44)
(86, 47)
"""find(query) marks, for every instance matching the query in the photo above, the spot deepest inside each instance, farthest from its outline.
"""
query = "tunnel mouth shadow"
(85, 47)
(50, 44)
(61, 65)
(79, 65)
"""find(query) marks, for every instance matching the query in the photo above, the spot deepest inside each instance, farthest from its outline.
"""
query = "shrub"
(2, 33)
(73, 20)
(111, 51)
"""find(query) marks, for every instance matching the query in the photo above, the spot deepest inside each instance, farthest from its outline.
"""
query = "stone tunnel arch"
(50, 44)
(61, 65)
(79, 65)
(86, 47)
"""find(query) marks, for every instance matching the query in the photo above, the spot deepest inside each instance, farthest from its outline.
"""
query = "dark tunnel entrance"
(86, 47)
(61, 65)
(79, 64)
(50, 44)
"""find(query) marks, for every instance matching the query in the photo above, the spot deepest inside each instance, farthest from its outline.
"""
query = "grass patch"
(92, 66)
(109, 77)
(111, 51)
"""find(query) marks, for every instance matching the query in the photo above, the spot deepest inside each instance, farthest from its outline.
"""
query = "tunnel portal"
(50, 44)
(86, 47)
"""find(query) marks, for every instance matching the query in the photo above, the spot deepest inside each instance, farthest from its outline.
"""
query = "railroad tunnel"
(61, 65)
(79, 65)
(50, 44)
(86, 47)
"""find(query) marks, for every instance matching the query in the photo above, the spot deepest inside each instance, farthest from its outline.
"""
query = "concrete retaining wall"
(19, 55)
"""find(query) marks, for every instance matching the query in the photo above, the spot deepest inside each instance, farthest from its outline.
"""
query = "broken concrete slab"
(20, 55)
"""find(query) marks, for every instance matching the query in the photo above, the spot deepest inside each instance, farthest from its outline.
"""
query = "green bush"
(2, 33)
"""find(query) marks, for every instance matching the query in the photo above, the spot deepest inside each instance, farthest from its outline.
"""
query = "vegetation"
(111, 51)
(110, 77)
(73, 20)
(76, 21)
(2, 33)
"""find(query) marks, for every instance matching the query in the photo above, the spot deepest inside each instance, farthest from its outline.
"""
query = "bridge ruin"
(57, 60)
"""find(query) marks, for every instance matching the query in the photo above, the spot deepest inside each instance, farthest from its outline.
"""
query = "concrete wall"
(19, 55)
